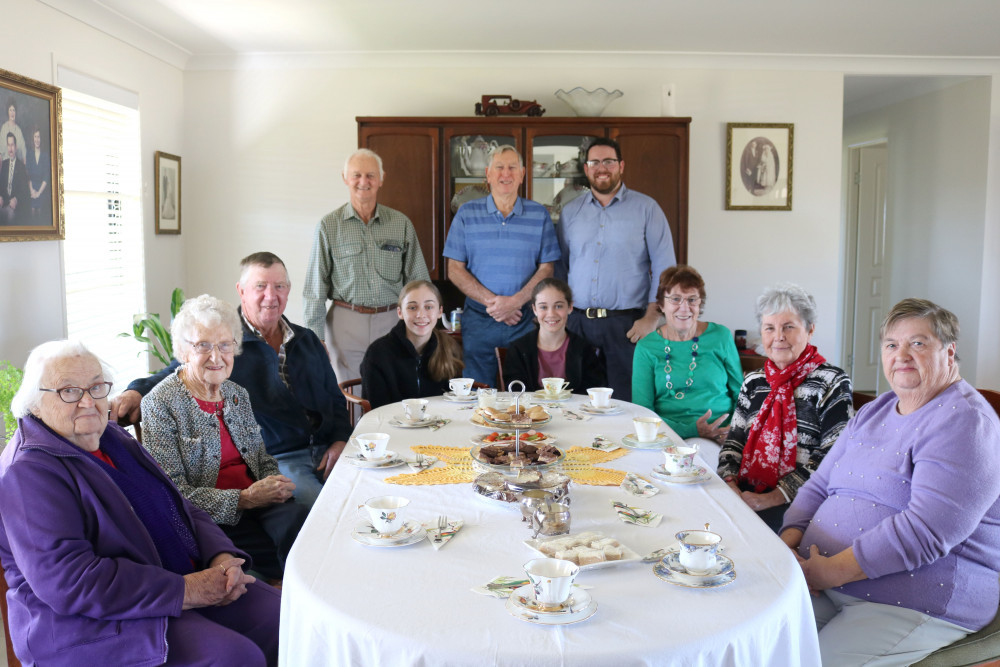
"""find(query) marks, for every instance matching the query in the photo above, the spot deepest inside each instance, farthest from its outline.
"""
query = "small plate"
(506, 469)
(723, 566)
(509, 426)
(390, 460)
(665, 573)
(411, 533)
(399, 421)
(628, 556)
(701, 475)
(547, 619)
(544, 397)
(661, 441)
(615, 409)
(524, 597)
(452, 397)
(481, 439)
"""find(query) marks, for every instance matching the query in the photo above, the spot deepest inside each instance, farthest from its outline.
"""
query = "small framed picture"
(31, 194)
(168, 193)
(759, 166)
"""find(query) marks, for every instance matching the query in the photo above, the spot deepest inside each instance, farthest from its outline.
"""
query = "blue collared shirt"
(614, 255)
(502, 253)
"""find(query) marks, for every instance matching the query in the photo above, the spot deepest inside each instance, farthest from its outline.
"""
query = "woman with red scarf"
(789, 413)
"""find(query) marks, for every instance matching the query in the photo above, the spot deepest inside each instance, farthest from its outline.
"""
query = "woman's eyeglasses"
(693, 301)
(75, 394)
(204, 347)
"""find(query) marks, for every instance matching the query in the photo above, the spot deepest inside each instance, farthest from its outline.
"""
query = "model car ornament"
(495, 105)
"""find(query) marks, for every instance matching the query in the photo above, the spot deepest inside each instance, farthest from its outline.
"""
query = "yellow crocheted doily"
(578, 464)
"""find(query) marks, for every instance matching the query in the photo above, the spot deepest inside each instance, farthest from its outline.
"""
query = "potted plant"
(158, 339)
(10, 380)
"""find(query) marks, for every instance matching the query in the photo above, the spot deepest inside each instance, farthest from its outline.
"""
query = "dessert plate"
(699, 475)
(662, 440)
(399, 421)
(508, 426)
(524, 597)
(411, 533)
(481, 439)
(615, 409)
(628, 556)
(546, 619)
(390, 460)
(723, 566)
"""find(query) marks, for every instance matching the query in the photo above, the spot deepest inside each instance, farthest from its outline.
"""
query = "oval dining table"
(344, 603)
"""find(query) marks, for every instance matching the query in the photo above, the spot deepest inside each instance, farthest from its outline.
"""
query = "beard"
(612, 184)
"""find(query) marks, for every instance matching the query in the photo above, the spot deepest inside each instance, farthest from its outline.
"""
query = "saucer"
(697, 475)
(452, 397)
(662, 440)
(547, 619)
(524, 597)
(400, 421)
(668, 575)
(543, 396)
(390, 460)
(610, 410)
(722, 567)
(411, 533)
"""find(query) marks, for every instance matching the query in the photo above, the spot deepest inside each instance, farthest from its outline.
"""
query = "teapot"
(475, 157)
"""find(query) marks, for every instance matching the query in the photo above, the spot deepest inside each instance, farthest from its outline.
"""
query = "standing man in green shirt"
(362, 256)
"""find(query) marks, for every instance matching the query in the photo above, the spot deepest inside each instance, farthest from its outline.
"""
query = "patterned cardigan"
(823, 406)
(186, 442)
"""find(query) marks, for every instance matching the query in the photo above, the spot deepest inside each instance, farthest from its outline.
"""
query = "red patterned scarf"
(769, 453)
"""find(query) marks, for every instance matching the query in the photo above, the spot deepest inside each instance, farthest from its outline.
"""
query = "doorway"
(866, 270)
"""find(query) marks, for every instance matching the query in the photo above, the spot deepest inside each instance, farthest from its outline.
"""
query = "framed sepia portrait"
(759, 166)
(31, 205)
(168, 193)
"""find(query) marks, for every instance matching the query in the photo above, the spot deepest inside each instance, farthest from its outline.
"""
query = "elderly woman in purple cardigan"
(107, 563)
(898, 531)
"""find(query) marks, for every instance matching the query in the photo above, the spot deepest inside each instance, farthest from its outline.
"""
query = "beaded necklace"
(668, 368)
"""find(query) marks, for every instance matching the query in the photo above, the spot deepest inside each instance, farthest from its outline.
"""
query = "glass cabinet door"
(469, 155)
(556, 170)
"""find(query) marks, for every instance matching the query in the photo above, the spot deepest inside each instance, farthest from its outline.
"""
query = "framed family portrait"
(31, 171)
(759, 166)
(168, 193)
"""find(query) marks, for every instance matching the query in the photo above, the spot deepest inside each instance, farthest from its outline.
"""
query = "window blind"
(103, 251)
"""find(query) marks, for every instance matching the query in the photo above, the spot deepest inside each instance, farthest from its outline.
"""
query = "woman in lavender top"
(898, 531)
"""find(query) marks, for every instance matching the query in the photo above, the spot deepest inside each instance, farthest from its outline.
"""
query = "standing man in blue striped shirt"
(498, 248)
(615, 244)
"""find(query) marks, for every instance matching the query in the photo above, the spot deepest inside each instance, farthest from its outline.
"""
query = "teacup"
(386, 513)
(679, 458)
(415, 409)
(371, 445)
(554, 386)
(600, 397)
(551, 519)
(487, 397)
(552, 580)
(698, 550)
(646, 428)
(461, 386)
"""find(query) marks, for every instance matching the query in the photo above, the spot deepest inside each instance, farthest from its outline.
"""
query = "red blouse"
(233, 471)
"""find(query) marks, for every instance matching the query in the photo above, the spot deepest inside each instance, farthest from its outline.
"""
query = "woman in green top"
(687, 371)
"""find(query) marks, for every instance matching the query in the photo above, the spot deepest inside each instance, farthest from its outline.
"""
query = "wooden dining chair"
(992, 397)
(12, 660)
(860, 398)
(355, 404)
(501, 353)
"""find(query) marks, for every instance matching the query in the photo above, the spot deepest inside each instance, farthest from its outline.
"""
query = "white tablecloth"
(347, 604)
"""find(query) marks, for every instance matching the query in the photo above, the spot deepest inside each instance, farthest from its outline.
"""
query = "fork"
(442, 525)
(420, 460)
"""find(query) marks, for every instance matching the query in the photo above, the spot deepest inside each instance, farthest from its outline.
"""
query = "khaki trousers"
(348, 335)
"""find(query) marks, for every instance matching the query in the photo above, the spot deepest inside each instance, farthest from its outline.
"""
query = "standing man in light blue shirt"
(498, 248)
(615, 244)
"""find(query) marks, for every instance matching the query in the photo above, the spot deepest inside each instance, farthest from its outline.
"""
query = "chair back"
(12, 660)
(860, 398)
(992, 397)
(501, 353)
(356, 406)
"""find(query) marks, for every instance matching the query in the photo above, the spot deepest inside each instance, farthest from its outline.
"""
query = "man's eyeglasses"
(204, 347)
(608, 162)
(693, 301)
(75, 394)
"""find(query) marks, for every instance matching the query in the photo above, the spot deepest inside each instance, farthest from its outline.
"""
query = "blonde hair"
(446, 362)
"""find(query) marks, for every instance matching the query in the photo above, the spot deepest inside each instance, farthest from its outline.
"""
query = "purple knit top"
(918, 497)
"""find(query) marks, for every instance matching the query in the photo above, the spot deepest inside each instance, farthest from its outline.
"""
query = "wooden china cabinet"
(433, 164)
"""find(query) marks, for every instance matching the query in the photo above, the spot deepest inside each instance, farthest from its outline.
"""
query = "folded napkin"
(502, 587)
(438, 424)
(636, 516)
(604, 444)
(637, 486)
(575, 416)
(446, 534)
(421, 462)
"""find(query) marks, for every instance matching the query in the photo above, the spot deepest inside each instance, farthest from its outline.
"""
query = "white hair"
(209, 312)
(29, 395)
(787, 297)
(365, 152)
(506, 148)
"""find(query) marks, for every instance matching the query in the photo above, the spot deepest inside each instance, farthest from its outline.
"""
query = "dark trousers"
(267, 534)
(608, 335)
(481, 334)
(242, 634)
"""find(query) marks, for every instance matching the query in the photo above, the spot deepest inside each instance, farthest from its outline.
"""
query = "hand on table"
(713, 431)
(330, 457)
(268, 491)
(221, 583)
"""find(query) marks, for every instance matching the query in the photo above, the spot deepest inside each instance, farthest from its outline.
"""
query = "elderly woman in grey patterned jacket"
(789, 413)
(199, 426)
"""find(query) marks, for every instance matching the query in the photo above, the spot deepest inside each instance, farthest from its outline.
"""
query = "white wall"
(936, 212)
(265, 147)
(31, 303)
